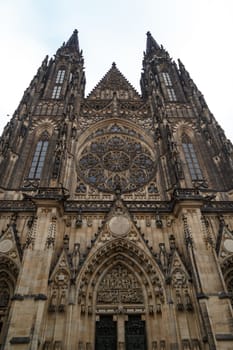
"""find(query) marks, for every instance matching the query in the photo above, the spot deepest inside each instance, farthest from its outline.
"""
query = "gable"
(114, 84)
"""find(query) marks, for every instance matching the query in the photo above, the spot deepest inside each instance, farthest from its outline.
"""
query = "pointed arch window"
(166, 79)
(56, 93)
(60, 76)
(168, 83)
(39, 157)
(191, 159)
(171, 94)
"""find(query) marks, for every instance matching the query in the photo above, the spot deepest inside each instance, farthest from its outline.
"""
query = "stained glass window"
(39, 157)
(191, 158)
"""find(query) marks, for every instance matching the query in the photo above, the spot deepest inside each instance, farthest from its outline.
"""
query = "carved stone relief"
(31, 234)
(60, 280)
(227, 268)
(226, 244)
(119, 285)
(51, 234)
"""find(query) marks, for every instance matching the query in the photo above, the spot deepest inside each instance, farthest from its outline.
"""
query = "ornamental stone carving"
(119, 285)
(116, 161)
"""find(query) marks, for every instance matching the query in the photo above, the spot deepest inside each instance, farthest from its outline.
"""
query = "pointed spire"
(151, 44)
(71, 46)
(73, 42)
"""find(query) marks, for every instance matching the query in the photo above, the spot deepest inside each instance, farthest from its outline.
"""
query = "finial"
(75, 31)
(148, 33)
(113, 65)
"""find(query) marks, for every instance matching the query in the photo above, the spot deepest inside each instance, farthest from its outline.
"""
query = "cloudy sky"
(199, 32)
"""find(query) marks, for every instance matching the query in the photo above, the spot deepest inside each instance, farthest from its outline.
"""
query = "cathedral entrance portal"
(119, 323)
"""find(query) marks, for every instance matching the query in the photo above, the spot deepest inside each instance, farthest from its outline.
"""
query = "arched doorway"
(8, 276)
(120, 310)
(119, 293)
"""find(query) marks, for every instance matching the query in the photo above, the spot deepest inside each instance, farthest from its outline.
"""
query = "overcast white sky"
(199, 32)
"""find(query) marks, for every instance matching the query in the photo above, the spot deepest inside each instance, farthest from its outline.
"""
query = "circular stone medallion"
(119, 225)
(228, 245)
(5, 245)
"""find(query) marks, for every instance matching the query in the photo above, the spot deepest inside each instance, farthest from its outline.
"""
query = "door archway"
(123, 282)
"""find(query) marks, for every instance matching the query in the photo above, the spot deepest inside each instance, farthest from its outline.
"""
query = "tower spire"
(71, 46)
(73, 42)
(151, 44)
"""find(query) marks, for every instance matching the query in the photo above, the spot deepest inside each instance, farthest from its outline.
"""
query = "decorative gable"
(10, 245)
(114, 84)
(225, 242)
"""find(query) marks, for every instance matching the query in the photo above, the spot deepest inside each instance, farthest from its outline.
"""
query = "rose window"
(116, 161)
(111, 162)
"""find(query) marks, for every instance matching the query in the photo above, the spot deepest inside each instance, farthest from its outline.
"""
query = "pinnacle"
(151, 44)
(73, 42)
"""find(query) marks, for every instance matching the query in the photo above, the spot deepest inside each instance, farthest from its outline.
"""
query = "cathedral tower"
(116, 212)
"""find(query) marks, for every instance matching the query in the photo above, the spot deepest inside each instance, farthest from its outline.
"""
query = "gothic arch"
(131, 256)
(38, 156)
(8, 277)
(42, 134)
(143, 298)
(181, 128)
(119, 269)
(105, 126)
(227, 269)
(190, 153)
(7, 265)
(40, 126)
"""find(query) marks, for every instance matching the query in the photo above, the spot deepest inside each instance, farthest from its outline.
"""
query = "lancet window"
(39, 157)
(60, 76)
(191, 159)
(58, 83)
(171, 94)
(167, 79)
(168, 83)
(56, 92)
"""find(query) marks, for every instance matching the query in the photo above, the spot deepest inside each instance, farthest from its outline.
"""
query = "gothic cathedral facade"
(116, 212)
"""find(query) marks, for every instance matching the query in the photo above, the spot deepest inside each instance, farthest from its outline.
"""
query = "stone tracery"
(116, 160)
(227, 268)
(131, 270)
(119, 285)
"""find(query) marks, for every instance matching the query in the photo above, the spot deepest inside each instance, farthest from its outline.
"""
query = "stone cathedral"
(116, 212)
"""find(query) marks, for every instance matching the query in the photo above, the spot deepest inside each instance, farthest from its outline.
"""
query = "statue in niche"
(163, 256)
(76, 257)
(62, 302)
(53, 302)
(188, 302)
(4, 298)
(179, 302)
